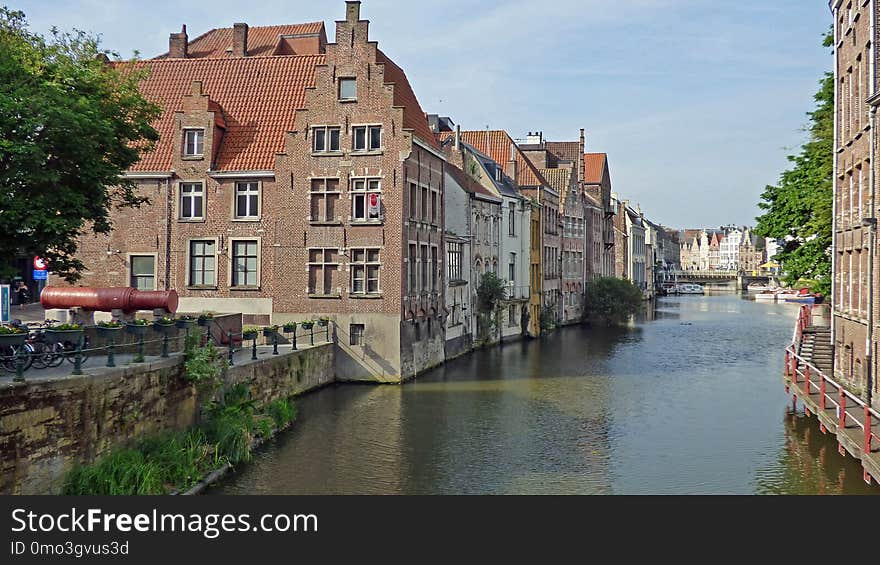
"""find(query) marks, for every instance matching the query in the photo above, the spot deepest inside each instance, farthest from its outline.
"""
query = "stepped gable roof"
(496, 145)
(258, 96)
(414, 118)
(564, 150)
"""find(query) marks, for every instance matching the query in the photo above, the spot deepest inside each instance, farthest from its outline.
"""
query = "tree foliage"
(798, 210)
(490, 292)
(612, 301)
(70, 125)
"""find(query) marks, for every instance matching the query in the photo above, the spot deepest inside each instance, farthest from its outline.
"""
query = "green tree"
(798, 210)
(70, 125)
(612, 301)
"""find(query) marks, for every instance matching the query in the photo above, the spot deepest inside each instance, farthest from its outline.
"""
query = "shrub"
(203, 365)
(612, 301)
(490, 292)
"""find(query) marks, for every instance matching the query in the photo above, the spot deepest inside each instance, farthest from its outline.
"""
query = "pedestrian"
(24, 293)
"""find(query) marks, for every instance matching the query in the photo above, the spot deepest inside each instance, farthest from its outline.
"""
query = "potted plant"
(64, 332)
(250, 332)
(109, 329)
(12, 335)
(269, 330)
(137, 327)
(289, 327)
(164, 325)
(185, 322)
(307, 324)
(205, 318)
(322, 321)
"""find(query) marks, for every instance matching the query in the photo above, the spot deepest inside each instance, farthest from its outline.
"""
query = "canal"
(688, 400)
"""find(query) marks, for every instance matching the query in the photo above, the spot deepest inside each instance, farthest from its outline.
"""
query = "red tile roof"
(414, 117)
(258, 96)
(262, 40)
(496, 144)
(595, 165)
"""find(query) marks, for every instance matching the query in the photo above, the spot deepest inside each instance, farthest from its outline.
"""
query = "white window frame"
(364, 267)
(339, 91)
(191, 196)
(364, 194)
(235, 194)
(130, 263)
(368, 128)
(189, 272)
(199, 140)
(324, 264)
(231, 265)
(325, 194)
(327, 145)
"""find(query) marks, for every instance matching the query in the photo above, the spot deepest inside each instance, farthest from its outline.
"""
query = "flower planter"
(108, 332)
(308, 326)
(166, 329)
(248, 336)
(290, 329)
(61, 336)
(269, 331)
(7, 340)
(323, 323)
(136, 329)
(185, 324)
(205, 321)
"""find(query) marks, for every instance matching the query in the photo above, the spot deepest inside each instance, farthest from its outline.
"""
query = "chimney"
(581, 151)
(239, 39)
(511, 165)
(458, 138)
(352, 12)
(177, 43)
(535, 138)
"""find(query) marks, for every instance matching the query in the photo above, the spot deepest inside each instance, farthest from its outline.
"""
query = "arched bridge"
(740, 279)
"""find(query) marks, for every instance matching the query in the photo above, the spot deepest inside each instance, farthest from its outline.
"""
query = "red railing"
(830, 391)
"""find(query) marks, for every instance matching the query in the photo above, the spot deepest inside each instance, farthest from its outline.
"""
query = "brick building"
(294, 178)
(597, 178)
(854, 202)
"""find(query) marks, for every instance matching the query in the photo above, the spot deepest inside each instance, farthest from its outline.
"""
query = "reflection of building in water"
(809, 464)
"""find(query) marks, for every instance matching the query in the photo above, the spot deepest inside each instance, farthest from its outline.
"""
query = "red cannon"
(108, 299)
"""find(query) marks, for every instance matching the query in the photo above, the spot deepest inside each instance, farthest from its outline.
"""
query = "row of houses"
(728, 248)
(297, 177)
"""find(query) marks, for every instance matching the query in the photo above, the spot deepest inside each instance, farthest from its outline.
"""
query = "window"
(323, 264)
(192, 201)
(366, 200)
(356, 334)
(325, 139)
(511, 315)
(511, 222)
(347, 89)
(324, 195)
(202, 263)
(424, 268)
(434, 210)
(193, 142)
(367, 138)
(511, 268)
(412, 268)
(365, 271)
(453, 261)
(424, 203)
(413, 200)
(245, 260)
(143, 272)
(434, 263)
(247, 200)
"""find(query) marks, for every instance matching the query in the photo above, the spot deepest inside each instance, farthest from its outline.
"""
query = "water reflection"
(691, 402)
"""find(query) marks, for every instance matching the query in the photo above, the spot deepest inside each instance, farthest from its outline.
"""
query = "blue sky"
(697, 103)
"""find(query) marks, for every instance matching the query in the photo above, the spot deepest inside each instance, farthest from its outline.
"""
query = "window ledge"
(196, 287)
(328, 154)
(248, 220)
(371, 296)
(191, 220)
(347, 100)
(367, 222)
(366, 153)
(192, 157)
(333, 296)
(325, 223)
(245, 288)
(458, 282)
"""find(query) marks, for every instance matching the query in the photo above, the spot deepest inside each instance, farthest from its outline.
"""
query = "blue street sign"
(5, 298)
(40, 275)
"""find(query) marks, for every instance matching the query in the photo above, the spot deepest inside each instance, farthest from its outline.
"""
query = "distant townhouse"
(751, 252)
(293, 178)
(597, 180)
(714, 254)
(636, 254)
(621, 239)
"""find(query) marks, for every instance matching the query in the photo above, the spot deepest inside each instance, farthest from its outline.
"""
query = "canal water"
(689, 399)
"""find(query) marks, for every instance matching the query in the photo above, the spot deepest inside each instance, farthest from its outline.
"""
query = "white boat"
(767, 296)
(760, 288)
(689, 289)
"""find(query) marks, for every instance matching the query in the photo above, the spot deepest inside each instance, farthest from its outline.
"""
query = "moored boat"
(689, 289)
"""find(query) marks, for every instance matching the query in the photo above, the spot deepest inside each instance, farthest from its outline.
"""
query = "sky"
(697, 103)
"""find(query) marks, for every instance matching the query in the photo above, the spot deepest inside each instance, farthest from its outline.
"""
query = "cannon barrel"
(108, 299)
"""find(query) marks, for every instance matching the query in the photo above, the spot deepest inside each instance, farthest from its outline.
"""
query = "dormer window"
(193, 142)
(347, 89)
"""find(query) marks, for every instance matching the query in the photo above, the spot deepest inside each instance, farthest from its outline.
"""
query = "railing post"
(807, 380)
(77, 360)
(230, 347)
(140, 354)
(111, 358)
(254, 349)
(19, 364)
(274, 343)
(787, 361)
(327, 328)
(794, 369)
(294, 338)
(312, 335)
(165, 342)
(867, 448)
(841, 418)
(822, 391)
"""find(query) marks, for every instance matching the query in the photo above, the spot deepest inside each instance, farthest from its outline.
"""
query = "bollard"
(274, 343)
(312, 335)
(294, 339)
(19, 364)
(111, 358)
(231, 350)
(254, 349)
(77, 360)
(164, 344)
